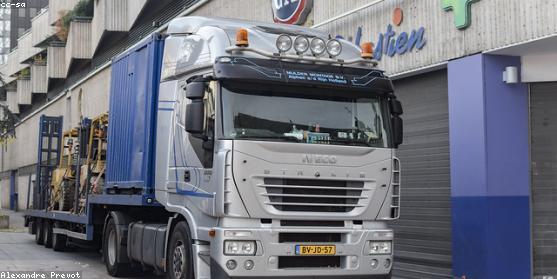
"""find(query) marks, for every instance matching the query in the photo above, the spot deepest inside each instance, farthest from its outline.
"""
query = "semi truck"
(231, 149)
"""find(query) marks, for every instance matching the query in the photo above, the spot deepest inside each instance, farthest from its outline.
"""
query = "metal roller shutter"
(422, 245)
(543, 125)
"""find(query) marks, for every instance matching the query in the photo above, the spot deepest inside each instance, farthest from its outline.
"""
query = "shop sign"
(390, 43)
(291, 11)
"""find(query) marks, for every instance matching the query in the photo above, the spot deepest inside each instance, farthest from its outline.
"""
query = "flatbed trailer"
(231, 149)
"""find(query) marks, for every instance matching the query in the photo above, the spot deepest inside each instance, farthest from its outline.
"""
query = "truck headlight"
(380, 247)
(239, 247)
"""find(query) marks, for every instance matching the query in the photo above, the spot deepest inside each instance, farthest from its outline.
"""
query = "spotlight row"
(302, 44)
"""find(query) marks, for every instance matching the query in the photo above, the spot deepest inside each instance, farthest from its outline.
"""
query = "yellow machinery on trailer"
(62, 186)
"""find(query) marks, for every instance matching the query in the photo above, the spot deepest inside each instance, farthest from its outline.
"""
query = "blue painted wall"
(489, 169)
(13, 192)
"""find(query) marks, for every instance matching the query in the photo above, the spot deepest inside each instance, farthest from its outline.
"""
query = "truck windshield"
(304, 115)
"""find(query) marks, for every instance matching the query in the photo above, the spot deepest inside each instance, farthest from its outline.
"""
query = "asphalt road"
(19, 252)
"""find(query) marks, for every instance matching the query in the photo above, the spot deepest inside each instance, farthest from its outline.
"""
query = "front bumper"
(351, 253)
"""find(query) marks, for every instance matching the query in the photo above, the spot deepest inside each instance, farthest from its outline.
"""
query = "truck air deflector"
(277, 71)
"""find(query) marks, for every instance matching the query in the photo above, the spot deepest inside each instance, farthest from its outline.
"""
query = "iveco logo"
(319, 159)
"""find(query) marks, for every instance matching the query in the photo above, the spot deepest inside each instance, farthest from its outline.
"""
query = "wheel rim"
(112, 247)
(179, 259)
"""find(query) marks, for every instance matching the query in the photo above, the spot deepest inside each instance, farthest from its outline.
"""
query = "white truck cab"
(275, 150)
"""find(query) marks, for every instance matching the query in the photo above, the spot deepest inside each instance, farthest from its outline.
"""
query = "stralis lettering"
(319, 159)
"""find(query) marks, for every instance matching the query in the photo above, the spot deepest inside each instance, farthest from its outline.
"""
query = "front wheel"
(179, 259)
(111, 250)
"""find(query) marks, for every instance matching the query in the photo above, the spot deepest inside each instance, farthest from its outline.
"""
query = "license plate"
(316, 249)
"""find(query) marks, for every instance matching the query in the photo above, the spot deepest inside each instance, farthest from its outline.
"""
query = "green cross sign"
(461, 9)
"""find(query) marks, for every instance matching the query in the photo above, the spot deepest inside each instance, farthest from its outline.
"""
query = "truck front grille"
(313, 195)
(303, 237)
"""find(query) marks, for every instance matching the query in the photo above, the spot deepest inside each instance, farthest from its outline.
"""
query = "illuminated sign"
(291, 11)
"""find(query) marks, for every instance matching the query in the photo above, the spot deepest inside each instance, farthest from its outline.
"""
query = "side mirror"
(396, 107)
(195, 111)
(195, 117)
(195, 90)
(397, 130)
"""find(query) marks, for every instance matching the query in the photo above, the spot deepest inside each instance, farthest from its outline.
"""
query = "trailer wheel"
(111, 249)
(179, 259)
(39, 235)
(32, 227)
(47, 229)
(58, 241)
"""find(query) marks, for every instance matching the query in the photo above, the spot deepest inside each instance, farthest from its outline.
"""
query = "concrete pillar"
(490, 179)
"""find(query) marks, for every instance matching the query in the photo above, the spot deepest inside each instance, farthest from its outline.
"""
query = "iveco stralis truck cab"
(275, 149)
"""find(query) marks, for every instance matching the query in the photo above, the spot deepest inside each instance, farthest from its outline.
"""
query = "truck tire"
(58, 240)
(32, 227)
(39, 235)
(111, 249)
(67, 197)
(179, 263)
(47, 229)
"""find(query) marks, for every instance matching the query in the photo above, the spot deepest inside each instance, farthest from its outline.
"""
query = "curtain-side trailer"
(231, 149)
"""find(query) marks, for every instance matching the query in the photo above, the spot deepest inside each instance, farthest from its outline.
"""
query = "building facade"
(20, 18)
(5, 27)
(478, 81)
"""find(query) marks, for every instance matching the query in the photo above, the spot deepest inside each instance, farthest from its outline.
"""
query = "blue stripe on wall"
(491, 237)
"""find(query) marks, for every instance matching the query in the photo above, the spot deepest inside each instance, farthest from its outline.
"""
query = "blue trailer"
(129, 175)
(231, 149)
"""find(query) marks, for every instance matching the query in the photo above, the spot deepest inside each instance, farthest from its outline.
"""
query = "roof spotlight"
(284, 43)
(301, 44)
(317, 46)
(334, 47)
